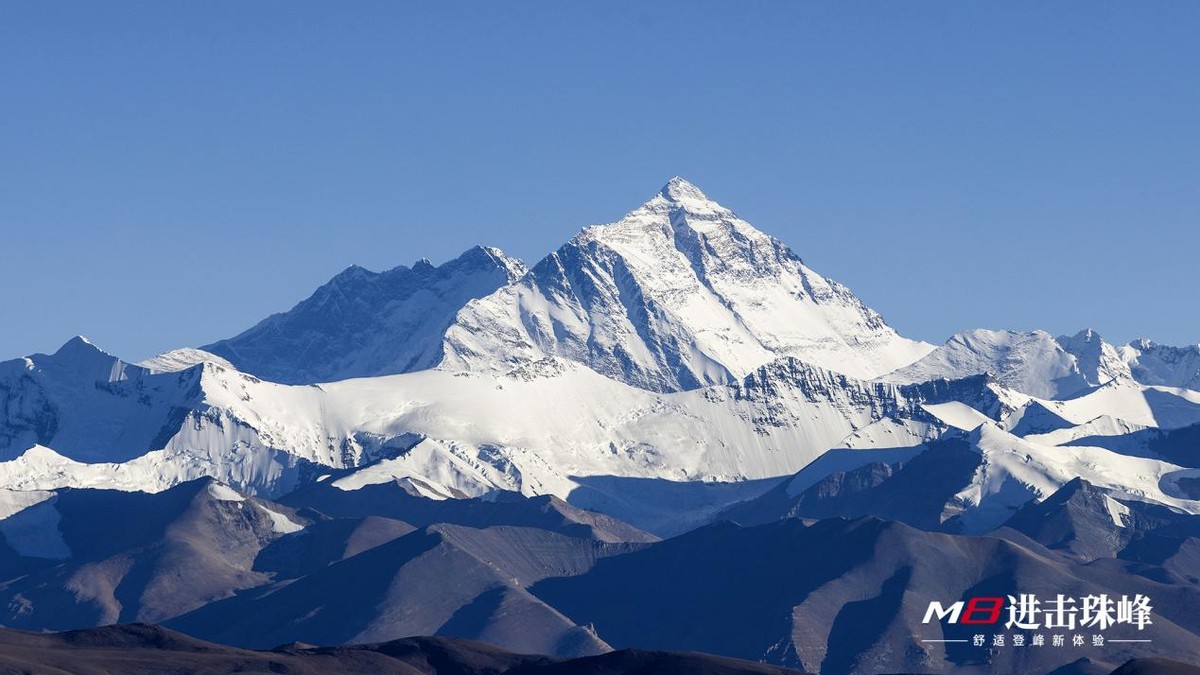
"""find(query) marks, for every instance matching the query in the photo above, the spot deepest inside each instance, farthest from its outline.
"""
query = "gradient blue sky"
(170, 172)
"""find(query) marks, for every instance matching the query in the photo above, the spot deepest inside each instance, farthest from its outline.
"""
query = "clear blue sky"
(171, 172)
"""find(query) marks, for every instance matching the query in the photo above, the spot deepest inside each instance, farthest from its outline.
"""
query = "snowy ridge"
(679, 294)
(181, 359)
(1037, 364)
(542, 429)
(677, 347)
(986, 474)
(549, 427)
(365, 323)
(93, 405)
(1161, 365)
(1015, 471)
(560, 420)
(1096, 360)
(1032, 363)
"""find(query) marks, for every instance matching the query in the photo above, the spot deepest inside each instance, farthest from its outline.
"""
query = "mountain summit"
(678, 294)
(678, 190)
(1038, 364)
(363, 323)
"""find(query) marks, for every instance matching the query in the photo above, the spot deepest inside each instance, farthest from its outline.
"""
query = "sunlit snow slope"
(657, 368)
(679, 294)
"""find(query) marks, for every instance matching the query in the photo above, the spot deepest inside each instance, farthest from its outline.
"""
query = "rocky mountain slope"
(669, 433)
(679, 294)
(217, 563)
(365, 323)
(833, 596)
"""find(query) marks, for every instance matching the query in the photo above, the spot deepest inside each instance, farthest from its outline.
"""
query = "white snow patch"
(224, 493)
(15, 501)
(280, 523)
(1117, 511)
(182, 359)
(34, 532)
(958, 415)
(1014, 470)
(844, 461)
(445, 470)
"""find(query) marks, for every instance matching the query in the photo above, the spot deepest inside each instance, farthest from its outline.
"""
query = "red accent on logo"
(988, 607)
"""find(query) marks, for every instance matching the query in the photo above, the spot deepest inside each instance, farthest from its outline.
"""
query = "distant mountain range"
(670, 433)
(538, 576)
(679, 294)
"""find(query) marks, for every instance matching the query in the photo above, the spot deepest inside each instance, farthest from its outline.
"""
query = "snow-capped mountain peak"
(181, 359)
(1154, 364)
(483, 257)
(1039, 365)
(680, 211)
(79, 355)
(678, 294)
(679, 189)
(363, 323)
(1098, 361)
(679, 194)
(79, 348)
(1031, 362)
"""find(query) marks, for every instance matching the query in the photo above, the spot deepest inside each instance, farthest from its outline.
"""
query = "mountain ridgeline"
(681, 293)
(668, 434)
(365, 323)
